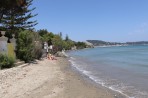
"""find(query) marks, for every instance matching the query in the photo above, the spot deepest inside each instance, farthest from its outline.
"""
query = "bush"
(38, 50)
(25, 45)
(80, 45)
(6, 62)
(37, 46)
(28, 46)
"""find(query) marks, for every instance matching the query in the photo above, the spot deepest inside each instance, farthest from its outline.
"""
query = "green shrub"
(37, 46)
(80, 45)
(37, 50)
(28, 46)
(6, 62)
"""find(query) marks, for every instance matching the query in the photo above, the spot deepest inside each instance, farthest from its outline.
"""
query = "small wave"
(72, 58)
(128, 64)
(96, 79)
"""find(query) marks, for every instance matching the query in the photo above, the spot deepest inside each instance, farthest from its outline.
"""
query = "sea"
(123, 69)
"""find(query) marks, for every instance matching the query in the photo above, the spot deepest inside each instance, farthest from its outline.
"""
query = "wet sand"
(50, 79)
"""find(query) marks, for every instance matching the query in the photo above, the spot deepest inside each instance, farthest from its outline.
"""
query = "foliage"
(42, 32)
(68, 44)
(37, 46)
(46, 36)
(25, 45)
(80, 45)
(28, 46)
(14, 20)
(57, 42)
(61, 44)
(66, 38)
(6, 62)
(7, 5)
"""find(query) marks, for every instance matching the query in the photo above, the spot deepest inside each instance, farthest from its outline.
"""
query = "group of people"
(50, 48)
(50, 57)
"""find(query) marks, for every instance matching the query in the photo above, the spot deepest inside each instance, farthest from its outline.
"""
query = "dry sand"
(49, 79)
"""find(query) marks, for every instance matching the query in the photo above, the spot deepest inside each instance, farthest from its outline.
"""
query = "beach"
(50, 79)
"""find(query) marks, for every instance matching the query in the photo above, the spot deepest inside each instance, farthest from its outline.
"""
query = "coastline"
(50, 79)
(87, 88)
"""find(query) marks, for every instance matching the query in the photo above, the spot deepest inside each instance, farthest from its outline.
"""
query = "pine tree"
(15, 19)
(6, 5)
(66, 38)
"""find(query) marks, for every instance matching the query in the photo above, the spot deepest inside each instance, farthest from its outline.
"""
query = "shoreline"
(93, 82)
(50, 79)
(108, 93)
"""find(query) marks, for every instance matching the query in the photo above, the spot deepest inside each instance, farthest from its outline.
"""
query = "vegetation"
(69, 44)
(15, 19)
(7, 5)
(80, 45)
(28, 46)
(37, 47)
(56, 40)
(46, 36)
(6, 62)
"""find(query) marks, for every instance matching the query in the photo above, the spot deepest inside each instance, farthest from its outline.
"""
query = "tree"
(66, 38)
(67, 45)
(46, 36)
(6, 5)
(60, 34)
(80, 45)
(42, 32)
(37, 52)
(57, 42)
(14, 20)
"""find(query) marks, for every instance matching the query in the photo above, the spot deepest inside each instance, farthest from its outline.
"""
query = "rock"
(61, 54)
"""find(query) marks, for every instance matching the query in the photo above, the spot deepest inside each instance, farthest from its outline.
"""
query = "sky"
(107, 20)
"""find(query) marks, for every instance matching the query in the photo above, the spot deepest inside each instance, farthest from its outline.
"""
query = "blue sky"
(108, 20)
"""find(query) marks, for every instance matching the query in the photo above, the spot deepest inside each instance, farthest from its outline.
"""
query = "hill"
(103, 43)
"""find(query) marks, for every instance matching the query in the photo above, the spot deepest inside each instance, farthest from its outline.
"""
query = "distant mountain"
(102, 43)
(138, 43)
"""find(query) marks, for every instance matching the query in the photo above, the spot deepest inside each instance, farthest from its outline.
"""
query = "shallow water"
(123, 69)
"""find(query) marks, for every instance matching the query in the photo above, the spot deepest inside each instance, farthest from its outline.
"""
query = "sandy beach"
(50, 79)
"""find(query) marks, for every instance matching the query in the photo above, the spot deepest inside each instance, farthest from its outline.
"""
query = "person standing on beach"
(51, 48)
(46, 48)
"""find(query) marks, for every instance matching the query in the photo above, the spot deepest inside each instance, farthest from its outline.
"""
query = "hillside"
(102, 43)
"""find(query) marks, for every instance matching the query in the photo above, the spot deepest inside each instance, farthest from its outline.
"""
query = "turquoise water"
(123, 69)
